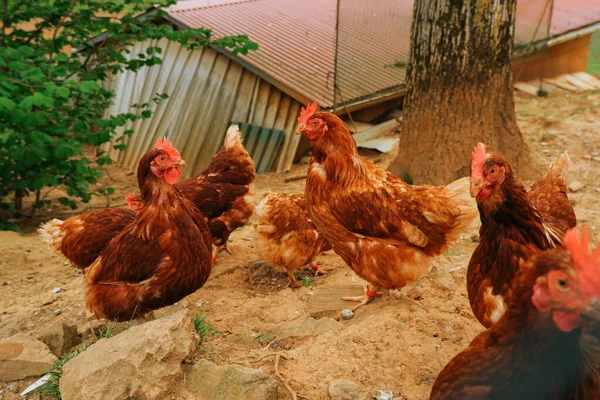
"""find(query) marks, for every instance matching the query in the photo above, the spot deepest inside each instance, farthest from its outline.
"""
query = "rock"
(144, 362)
(22, 356)
(416, 290)
(347, 313)
(575, 186)
(60, 337)
(307, 326)
(230, 382)
(574, 198)
(11, 328)
(57, 290)
(382, 395)
(347, 390)
(442, 279)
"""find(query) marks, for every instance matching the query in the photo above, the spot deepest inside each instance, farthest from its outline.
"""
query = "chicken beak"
(180, 163)
(476, 186)
(300, 129)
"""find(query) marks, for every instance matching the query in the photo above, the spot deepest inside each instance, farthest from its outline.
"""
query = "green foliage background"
(52, 105)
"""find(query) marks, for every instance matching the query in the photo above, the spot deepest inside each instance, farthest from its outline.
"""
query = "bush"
(52, 105)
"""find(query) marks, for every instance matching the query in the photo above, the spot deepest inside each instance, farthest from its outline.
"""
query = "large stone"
(347, 390)
(22, 356)
(307, 326)
(60, 337)
(143, 362)
(230, 382)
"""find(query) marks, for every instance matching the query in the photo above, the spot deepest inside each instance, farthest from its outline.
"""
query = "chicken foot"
(217, 249)
(370, 292)
(318, 270)
(292, 283)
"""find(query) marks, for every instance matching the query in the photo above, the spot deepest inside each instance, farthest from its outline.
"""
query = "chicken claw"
(364, 299)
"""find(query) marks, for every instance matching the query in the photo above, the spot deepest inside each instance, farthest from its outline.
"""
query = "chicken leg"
(318, 270)
(292, 283)
(370, 292)
(217, 249)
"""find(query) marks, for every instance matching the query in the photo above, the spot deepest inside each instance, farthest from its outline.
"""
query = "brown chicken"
(82, 238)
(515, 224)
(386, 230)
(542, 347)
(285, 235)
(224, 192)
(161, 256)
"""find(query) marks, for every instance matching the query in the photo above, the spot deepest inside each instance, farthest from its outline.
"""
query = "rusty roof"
(297, 42)
(298, 39)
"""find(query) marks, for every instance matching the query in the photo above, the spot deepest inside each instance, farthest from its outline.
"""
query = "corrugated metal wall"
(207, 90)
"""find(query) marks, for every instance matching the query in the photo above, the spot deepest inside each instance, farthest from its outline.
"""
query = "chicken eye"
(493, 170)
(314, 122)
(162, 158)
(561, 284)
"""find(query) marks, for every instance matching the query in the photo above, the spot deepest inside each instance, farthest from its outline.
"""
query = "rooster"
(386, 230)
(285, 235)
(541, 348)
(224, 192)
(515, 224)
(161, 256)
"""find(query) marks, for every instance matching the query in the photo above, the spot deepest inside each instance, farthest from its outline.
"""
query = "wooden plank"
(527, 87)
(563, 84)
(272, 150)
(253, 134)
(326, 302)
(590, 79)
(259, 150)
(574, 80)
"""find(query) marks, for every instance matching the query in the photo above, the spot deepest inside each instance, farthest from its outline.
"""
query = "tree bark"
(459, 90)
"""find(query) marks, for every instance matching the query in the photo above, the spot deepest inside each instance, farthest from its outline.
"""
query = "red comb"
(586, 262)
(163, 144)
(306, 113)
(478, 160)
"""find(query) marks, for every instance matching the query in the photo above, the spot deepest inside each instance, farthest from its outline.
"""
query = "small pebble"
(347, 314)
(382, 394)
(7, 282)
(57, 290)
(57, 312)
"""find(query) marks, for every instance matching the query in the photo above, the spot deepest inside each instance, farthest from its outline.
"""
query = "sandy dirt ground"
(399, 342)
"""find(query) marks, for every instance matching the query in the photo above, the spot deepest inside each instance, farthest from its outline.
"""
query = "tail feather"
(233, 137)
(560, 166)
(468, 212)
(51, 233)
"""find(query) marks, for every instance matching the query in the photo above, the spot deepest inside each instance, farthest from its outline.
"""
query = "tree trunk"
(459, 89)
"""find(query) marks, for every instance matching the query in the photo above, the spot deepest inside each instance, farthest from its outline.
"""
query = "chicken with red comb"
(546, 345)
(158, 257)
(515, 224)
(386, 230)
(224, 192)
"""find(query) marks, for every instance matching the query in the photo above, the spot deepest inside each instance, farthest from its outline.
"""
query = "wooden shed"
(310, 51)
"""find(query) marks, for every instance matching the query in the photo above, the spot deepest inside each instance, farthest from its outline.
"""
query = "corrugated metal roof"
(297, 42)
(568, 15)
(297, 38)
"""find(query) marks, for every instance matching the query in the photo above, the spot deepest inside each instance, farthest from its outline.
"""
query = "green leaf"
(63, 92)
(60, 71)
(27, 103)
(7, 103)
(42, 100)
(89, 86)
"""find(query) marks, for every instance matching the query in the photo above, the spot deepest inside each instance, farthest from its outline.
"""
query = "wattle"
(172, 175)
